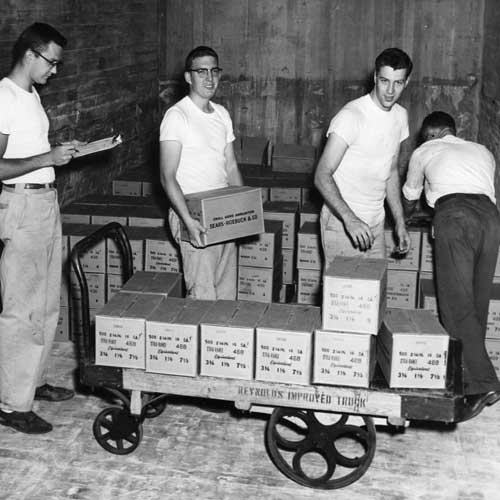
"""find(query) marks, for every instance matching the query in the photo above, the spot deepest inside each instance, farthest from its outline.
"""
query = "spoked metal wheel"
(117, 431)
(311, 448)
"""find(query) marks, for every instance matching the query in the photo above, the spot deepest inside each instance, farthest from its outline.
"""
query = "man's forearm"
(10, 168)
(393, 194)
(332, 197)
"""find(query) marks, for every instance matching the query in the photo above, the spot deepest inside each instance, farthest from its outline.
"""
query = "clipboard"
(99, 145)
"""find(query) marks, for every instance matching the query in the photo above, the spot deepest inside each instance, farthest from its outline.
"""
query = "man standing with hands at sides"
(459, 184)
(359, 166)
(30, 228)
(196, 154)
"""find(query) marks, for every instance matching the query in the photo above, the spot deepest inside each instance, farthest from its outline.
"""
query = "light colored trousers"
(335, 240)
(209, 273)
(30, 280)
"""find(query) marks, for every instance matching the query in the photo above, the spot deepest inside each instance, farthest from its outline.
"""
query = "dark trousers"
(467, 237)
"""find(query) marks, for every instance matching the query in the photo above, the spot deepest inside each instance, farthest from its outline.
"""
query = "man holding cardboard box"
(196, 154)
(358, 168)
(459, 185)
(30, 227)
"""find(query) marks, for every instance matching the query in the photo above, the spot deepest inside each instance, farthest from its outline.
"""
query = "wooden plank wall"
(289, 65)
(489, 116)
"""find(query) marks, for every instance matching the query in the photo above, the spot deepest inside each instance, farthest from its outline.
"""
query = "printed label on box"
(401, 289)
(172, 348)
(343, 358)
(283, 356)
(226, 352)
(161, 256)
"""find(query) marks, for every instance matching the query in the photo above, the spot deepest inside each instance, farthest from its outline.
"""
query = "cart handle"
(115, 231)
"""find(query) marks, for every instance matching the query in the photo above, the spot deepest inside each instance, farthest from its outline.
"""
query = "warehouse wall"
(289, 65)
(489, 116)
(109, 83)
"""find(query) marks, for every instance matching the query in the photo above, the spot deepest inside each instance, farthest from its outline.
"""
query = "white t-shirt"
(373, 136)
(24, 120)
(204, 137)
(450, 165)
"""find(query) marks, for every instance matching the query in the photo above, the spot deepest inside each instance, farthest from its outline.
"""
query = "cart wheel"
(154, 408)
(117, 431)
(310, 452)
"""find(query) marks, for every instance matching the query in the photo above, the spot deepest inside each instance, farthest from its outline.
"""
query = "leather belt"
(28, 185)
(460, 196)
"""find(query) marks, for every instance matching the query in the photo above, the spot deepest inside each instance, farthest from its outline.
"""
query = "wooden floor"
(188, 453)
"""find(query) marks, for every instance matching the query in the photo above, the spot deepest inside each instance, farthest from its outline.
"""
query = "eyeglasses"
(203, 72)
(52, 64)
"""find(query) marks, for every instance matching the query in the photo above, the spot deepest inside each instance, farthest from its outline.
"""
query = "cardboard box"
(160, 252)
(105, 215)
(120, 333)
(293, 158)
(148, 216)
(354, 294)
(172, 336)
(262, 250)
(402, 289)
(77, 213)
(409, 261)
(288, 276)
(96, 284)
(76, 322)
(94, 260)
(309, 213)
(283, 350)
(227, 339)
(253, 151)
(227, 214)
(114, 283)
(285, 194)
(151, 282)
(259, 284)
(493, 326)
(342, 358)
(493, 349)
(309, 247)
(287, 293)
(427, 294)
(427, 252)
(286, 212)
(123, 187)
(136, 237)
(309, 287)
(412, 349)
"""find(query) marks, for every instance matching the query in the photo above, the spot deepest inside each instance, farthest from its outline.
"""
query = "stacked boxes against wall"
(286, 212)
(260, 264)
(152, 249)
(309, 264)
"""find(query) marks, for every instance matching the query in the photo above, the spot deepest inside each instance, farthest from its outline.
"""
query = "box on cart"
(154, 282)
(401, 289)
(354, 294)
(309, 247)
(227, 339)
(120, 331)
(343, 358)
(285, 211)
(283, 350)
(412, 349)
(227, 213)
(172, 336)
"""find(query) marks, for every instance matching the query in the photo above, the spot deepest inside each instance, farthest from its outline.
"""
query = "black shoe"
(49, 392)
(25, 421)
(476, 403)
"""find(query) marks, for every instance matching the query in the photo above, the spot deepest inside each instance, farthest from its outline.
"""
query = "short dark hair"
(439, 119)
(395, 58)
(200, 51)
(37, 37)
